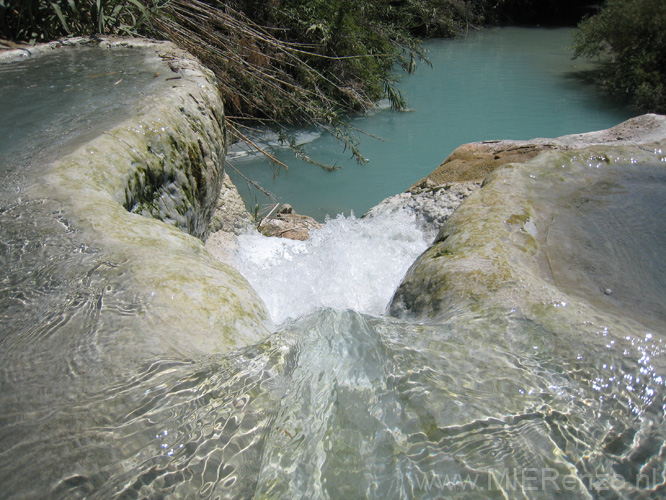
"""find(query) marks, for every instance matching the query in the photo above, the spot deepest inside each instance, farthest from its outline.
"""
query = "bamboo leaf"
(73, 7)
(395, 97)
(100, 17)
(61, 16)
(144, 11)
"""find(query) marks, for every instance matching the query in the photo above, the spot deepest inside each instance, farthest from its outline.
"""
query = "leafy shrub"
(629, 38)
(42, 21)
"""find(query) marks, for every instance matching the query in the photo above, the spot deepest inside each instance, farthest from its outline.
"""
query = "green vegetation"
(43, 21)
(277, 62)
(310, 62)
(313, 62)
(629, 37)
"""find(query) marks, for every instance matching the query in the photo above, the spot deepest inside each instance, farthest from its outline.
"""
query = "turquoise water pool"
(507, 83)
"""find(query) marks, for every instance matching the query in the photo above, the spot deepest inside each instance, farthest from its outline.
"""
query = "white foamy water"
(269, 140)
(350, 263)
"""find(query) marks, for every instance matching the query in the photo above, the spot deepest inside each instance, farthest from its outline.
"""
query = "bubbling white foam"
(350, 263)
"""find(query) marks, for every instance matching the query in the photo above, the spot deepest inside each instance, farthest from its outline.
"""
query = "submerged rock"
(109, 297)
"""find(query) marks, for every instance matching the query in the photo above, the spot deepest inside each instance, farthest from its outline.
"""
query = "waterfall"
(350, 263)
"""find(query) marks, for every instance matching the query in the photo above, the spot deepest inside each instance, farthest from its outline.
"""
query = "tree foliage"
(629, 38)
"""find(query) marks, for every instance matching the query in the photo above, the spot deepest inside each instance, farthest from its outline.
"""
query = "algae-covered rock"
(164, 162)
(230, 213)
(474, 161)
(528, 242)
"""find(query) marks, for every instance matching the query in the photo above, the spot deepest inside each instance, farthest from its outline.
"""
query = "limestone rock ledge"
(230, 214)
(491, 253)
(164, 162)
(474, 161)
(431, 203)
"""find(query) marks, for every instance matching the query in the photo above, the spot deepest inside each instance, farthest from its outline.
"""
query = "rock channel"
(166, 162)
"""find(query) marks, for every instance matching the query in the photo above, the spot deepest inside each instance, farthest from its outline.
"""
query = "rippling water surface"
(342, 402)
(70, 97)
(608, 239)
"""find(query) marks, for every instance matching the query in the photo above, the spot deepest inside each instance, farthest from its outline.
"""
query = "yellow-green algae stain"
(164, 162)
(490, 255)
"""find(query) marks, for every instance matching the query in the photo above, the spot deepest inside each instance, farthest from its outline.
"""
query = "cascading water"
(350, 263)
(342, 401)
